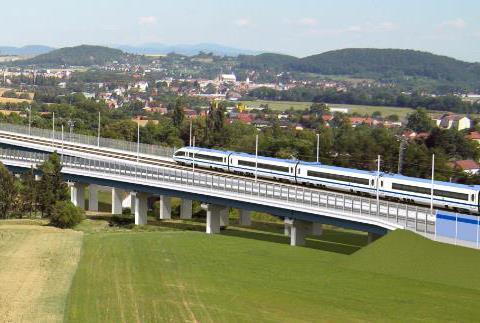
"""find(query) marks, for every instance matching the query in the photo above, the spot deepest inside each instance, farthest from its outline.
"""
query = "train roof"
(428, 181)
(218, 151)
(273, 159)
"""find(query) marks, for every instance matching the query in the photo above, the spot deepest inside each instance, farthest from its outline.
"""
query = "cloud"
(147, 20)
(458, 23)
(242, 22)
(306, 21)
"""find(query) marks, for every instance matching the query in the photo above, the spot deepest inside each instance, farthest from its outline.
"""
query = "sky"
(297, 27)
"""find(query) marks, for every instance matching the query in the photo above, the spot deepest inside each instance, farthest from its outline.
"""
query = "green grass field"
(181, 274)
(361, 109)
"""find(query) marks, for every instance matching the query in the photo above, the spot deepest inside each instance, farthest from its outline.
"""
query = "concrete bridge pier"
(165, 206)
(287, 222)
(298, 231)
(117, 197)
(129, 202)
(214, 213)
(317, 229)
(77, 194)
(140, 208)
(245, 218)
(224, 218)
(93, 197)
(186, 209)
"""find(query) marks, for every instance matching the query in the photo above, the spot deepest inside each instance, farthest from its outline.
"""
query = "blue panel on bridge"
(457, 226)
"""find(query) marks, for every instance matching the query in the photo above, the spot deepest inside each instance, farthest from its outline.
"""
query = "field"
(181, 274)
(37, 267)
(13, 100)
(173, 271)
(361, 109)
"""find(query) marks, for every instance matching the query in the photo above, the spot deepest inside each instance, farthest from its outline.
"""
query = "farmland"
(360, 109)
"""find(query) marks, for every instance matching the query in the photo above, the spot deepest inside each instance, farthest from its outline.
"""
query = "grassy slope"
(37, 265)
(190, 276)
(361, 109)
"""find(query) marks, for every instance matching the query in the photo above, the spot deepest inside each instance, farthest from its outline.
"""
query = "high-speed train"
(390, 186)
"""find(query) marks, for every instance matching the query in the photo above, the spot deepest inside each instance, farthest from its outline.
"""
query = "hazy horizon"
(281, 26)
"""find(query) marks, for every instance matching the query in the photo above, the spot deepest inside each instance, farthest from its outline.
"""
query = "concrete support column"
(213, 217)
(317, 229)
(186, 209)
(93, 197)
(287, 226)
(165, 206)
(140, 208)
(224, 214)
(245, 218)
(117, 197)
(129, 201)
(299, 230)
(77, 194)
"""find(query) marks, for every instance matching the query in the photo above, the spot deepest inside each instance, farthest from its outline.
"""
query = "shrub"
(66, 215)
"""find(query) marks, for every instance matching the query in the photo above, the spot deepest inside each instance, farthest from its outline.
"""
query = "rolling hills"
(371, 63)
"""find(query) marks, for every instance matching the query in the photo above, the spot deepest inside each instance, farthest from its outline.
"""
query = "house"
(143, 122)
(245, 118)
(356, 121)
(190, 114)
(141, 86)
(454, 121)
(475, 136)
(283, 116)
(162, 110)
(227, 78)
(468, 166)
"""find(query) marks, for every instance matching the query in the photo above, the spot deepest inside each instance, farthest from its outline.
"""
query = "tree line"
(47, 197)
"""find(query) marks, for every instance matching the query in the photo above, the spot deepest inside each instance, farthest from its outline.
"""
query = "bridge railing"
(56, 135)
(411, 217)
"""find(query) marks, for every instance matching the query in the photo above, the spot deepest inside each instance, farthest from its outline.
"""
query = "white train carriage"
(202, 157)
(266, 167)
(337, 178)
(418, 190)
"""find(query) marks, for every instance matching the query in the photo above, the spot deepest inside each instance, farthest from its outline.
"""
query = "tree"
(319, 109)
(28, 192)
(52, 188)
(178, 113)
(8, 192)
(419, 121)
(66, 215)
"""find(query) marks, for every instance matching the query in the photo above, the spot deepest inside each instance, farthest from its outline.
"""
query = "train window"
(427, 190)
(263, 166)
(381, 183)
(473, 197)
(208, 157)
(180, 153)
(373, 183)
(298, 170)
(336, 177)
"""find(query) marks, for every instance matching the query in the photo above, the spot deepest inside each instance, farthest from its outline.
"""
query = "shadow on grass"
(337, 243)
(332, 240)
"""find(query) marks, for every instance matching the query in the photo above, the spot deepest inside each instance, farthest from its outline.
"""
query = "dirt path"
(37, 264)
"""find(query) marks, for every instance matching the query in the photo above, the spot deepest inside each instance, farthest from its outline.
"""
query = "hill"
(84, 55)
(373, 63)
(268, 61)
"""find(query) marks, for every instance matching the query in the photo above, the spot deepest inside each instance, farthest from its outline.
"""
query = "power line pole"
(378, 184)
(401, 150)
(256, 157)
(190, 140)
(433, 183)
(318, 147)
(98, 137)
(53, 128)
